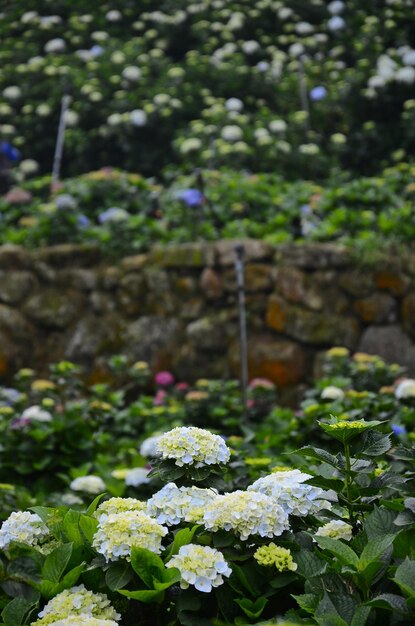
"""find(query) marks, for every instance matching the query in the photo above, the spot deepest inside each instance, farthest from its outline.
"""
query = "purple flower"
(9, 151)
(192, 197)
(160, 397)
(318, 93)
(164, 379)
(398, 430)
(96, 50)
(83, 221)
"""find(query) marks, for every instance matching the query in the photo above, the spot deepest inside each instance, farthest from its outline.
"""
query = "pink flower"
(262, 383)
(159, 398)
(182, 386)
(250, 404)
(164, 379)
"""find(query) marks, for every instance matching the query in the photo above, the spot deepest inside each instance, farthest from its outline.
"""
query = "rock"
(357, 283)
(185, 285)
(379, 308)
(279, 360)
(258, 277)
(211, 333)
(93, 336)
(190, 364)
(54, 309)
(312, 256)
(131, 294)
(152, 338)
(44, 273)
(69, 255)
(14, 286)
(109, 278)
(182, 255)
(193, 309)
(393, 282)
(14, 258)
(310, 327)
(17, 340)
(390, 343)
(102, 303)
(210, 284)
(408, 313)
(16, 326)
(133, 263)
(254, 250)
(78, 278)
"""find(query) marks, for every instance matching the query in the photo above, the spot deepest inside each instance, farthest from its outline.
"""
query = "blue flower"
(9, 151)
(96, 51)
(398, 430)
(192, 197)
(318, 93)
(83, 221)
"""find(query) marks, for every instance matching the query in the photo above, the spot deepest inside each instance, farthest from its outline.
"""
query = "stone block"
(394, 282)
(255, 250)
(391, 343)
(313, 256)
(211, 284)
(15, 286)
(69, 255)
(192, 255)
(379, 308)
(14, 258)
(54, 309)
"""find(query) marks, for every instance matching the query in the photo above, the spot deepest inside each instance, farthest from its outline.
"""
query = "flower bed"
(290, 517)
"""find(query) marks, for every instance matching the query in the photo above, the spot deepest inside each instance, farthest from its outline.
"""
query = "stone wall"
(176, 307)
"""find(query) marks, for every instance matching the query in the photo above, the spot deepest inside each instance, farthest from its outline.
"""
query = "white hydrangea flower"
(13, 92)
(405, 75)
(23, 527)
(172, 504)
(336, 23)
(231, 132)
(113, 16)
(148, 447)
(336, 529)
(287, 488)
(36, 413)
(190, 145)
(336, 7)
(77, 602)
(246, 513)
(138, 117)
(89, 484)
(118, 505)
(277, 126)
(119, 532)
(234, 104)
(251, 46)
(71, 118)
(78, 620)
(332, 393)
(131, 73)
(137, 476)
(200, 566)
(189, 445)
(29, 166)
(405, 389)
(55, 45)
(409, 57)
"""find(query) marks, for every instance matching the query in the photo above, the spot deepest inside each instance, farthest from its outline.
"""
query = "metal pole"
(303, 90)
(57, 158)
(243, 338)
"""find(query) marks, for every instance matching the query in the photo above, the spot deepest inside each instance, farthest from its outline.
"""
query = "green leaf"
(181, 538)
(339, 549)
(246, 577)
(94, 504)
(405, 577)
(118, 575)
(148, 596)
(70, 526)
(320, 455)
(88, 526)
(307, 601)
(147, 565)
(380, 522)
(373, 550)
(389, 601)
(16, 611)
(56, 562)
(252, 609)
(375, 443)
(309, 564)
(49, 589)
(347, 431)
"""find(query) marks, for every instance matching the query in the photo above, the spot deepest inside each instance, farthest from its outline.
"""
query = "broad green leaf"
(181, 538)
(380, 522)
(94, 504)
(70, 526)
(16, 611)
(173, 578)
(147, 565)
(339, 549)
(389, 601)
(307, 601)
(88, 526)
(118, 575)
(376, 444)
(148, 596)
(320, 455)
(309, 564)
(374, 550)
(246, 577)
(405, 577)
(49, 589)
(347, 431)
(56, 562)
(360, 616)
(252, 609)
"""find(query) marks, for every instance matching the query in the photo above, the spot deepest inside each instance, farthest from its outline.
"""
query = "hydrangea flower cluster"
(23, 527)
(89, 484)
(275, 555)
(246, 513)
(193, 446)
(200, 566)
(336, 529)
(118, 505)
(172, 504)
(77, 620)
(148, 447)
(76, 603)
(289, 490)
(119, 532)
